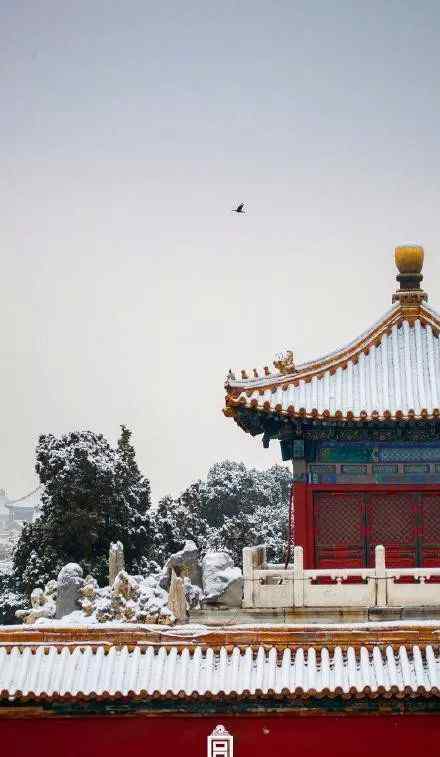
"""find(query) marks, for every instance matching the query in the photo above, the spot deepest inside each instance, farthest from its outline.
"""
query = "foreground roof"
(279, 663)
(391, 371)
(106, 673)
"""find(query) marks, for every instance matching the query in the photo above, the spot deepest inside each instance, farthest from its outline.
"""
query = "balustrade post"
(298, 577)
(381, 576)
(248, 576)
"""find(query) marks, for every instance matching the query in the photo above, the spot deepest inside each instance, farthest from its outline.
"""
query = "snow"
(70, 573)
(192, 631)
(5, 567)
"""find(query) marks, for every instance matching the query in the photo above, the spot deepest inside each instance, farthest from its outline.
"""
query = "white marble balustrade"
(268, 585)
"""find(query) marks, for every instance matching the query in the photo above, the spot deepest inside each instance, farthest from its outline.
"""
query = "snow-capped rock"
(69, 583)
(222, 582)
(185, 563)
(193, 594)
(42, 605)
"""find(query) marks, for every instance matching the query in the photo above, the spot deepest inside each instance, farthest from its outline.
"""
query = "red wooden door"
(347, 526)
(429, 531)
(339, 529)
(392, 521)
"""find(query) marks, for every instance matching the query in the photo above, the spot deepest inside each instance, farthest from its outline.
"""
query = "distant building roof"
(28, 501)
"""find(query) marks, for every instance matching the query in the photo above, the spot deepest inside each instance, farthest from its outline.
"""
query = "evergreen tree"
(136, 497)
(92, 495)
(228, 491)
(231, 490)
(261, 517)
(175, 521)
(266, 525)
(11, 599)
(235, 507)
(164, 539)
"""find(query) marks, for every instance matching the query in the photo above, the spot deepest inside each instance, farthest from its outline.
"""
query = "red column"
(304, 522)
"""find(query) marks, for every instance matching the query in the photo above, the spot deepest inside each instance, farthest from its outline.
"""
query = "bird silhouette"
(239, 208)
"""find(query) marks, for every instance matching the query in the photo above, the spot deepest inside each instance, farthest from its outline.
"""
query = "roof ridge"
(25, 496)
(353, 346)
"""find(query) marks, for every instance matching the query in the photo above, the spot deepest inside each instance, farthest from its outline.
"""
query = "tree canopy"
(92, 494)
(235, 507)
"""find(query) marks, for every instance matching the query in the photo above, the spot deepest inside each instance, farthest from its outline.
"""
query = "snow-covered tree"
(164, 539)
(235, 507)
(231, 489)
(11, 598)
(262, 518)
(266, 525)
(176, 520)
(92, 495)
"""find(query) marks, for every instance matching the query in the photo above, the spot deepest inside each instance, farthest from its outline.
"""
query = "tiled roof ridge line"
(360, 634)
(340, 357)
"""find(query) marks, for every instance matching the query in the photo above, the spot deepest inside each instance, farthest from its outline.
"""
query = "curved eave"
(299, 694)
(413, 332)
(268, 409)
(339, 358)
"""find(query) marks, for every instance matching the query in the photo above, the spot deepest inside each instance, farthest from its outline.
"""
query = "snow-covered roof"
(391, 371)
(110, 672)
(28, 501)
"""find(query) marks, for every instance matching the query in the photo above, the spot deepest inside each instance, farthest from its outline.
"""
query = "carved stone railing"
(267, 585)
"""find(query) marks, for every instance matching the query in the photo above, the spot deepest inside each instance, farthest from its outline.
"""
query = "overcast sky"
(128, 131)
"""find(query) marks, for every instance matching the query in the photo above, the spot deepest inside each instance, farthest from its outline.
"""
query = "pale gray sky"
(128, 132)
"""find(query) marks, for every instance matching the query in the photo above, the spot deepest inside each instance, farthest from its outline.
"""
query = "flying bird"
(239, 208)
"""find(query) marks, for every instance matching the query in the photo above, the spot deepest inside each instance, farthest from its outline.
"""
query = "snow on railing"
(273, 586)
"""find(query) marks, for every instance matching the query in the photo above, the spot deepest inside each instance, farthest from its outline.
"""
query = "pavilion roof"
(391, 371)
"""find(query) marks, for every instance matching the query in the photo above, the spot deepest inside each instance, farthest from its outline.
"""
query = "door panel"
(349, 525)
(392, 521)
(430, 529)
(339, 529)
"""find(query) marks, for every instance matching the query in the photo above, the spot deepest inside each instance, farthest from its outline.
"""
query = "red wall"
(184, 736)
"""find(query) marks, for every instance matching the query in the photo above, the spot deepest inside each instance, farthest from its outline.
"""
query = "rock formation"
(176, 597)
(193, 595)
(116, 561)
(139, 599)
(222, 582)
(69, 583)
(185, 563)
(42, 604)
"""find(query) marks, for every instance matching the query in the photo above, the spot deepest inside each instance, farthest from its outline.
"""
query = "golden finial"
(409, 262)
(409, 258)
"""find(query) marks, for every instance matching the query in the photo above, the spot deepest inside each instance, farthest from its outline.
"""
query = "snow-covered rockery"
(186, 582)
